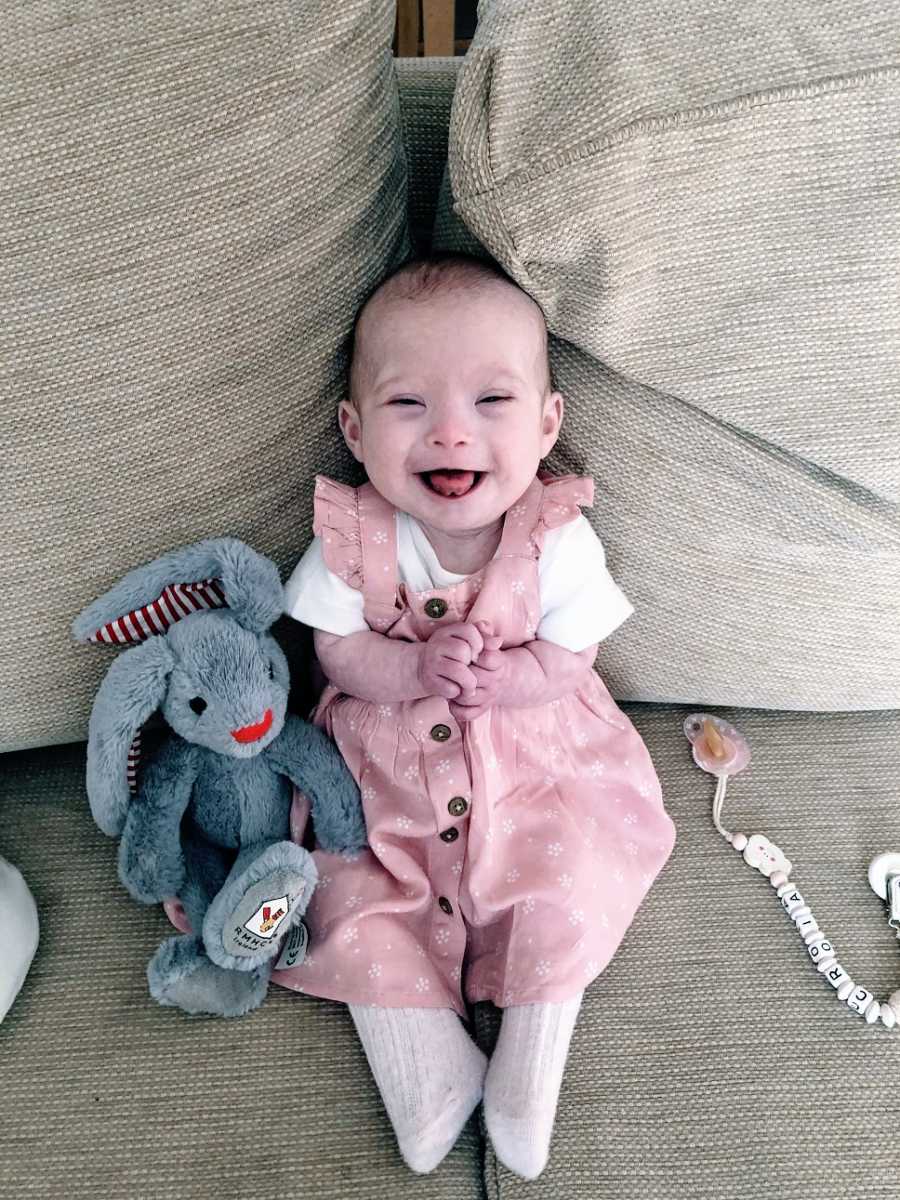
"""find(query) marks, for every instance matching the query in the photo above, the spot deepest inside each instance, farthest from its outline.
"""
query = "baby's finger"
(457, 673)
(490, 660)
(463, 713)
(471, 699)
(463, 641)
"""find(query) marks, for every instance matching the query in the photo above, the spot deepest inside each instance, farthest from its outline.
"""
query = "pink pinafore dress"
(507, 855)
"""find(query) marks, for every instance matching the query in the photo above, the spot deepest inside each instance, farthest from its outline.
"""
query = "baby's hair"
(426, 275)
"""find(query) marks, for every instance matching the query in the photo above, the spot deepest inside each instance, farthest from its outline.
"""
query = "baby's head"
(449, 369)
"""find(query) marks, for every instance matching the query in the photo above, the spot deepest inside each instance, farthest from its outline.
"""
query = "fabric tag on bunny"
(293, 951)
(267, 918)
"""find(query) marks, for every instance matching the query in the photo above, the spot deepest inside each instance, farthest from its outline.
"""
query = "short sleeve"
(317, 597)
(580, 601)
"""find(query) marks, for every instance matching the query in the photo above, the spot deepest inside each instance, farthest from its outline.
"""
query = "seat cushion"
(196, 199)
(705, 206)
(709, 1061)
(144, 1100)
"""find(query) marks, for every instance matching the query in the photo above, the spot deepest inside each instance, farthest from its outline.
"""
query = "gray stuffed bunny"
(210, 823)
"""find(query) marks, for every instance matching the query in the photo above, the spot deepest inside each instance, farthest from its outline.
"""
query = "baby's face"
(455, 381)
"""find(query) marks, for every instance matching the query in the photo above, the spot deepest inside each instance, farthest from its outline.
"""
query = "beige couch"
(180, 288)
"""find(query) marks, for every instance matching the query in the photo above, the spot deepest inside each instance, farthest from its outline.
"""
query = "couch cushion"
(426, 87)
(196, 198)
(709, 1060)
(147, 1101)
(706, 206)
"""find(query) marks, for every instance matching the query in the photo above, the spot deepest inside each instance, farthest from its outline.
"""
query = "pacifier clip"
(722, 750)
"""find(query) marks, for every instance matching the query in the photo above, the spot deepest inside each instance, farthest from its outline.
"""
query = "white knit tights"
(429, 1072)
(431, 1076)
(523, 1081)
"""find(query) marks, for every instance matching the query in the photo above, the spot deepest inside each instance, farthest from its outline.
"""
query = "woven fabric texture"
(709, 1062)
(706, 207)
(426, 87)
(145, 1101)
(196, 198)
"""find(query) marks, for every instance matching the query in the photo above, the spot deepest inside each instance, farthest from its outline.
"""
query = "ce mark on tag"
(293, 951)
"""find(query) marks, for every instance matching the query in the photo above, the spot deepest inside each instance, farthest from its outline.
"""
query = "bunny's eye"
(198, 704)
(271, 670)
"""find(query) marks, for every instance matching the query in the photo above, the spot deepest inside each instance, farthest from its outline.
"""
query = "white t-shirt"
(580, 602)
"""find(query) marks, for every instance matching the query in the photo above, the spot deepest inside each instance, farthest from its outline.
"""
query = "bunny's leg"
(181, 974)
(429, 1073)
(523, 1081)
(266, 892)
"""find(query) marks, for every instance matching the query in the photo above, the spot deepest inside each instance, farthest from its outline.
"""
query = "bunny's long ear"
(134, 687)
(214, 573)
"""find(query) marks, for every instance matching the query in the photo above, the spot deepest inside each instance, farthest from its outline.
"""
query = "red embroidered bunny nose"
(252, 733)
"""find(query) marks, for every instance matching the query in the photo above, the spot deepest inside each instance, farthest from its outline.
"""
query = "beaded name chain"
(721, 750)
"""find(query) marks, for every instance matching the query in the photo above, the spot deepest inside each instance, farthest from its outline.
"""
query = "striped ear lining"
(134, 760)
(176, 601)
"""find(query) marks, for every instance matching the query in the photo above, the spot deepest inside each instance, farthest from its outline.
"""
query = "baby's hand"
(443, 665)
(489, 671)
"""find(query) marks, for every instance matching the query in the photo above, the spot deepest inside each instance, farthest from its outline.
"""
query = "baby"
(515, 820)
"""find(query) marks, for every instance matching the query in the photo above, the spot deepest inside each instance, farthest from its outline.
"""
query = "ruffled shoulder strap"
(359, 544)
(561, 501)
(336, 522)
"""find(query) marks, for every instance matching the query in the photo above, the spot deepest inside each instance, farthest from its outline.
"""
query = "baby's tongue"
(451, 483)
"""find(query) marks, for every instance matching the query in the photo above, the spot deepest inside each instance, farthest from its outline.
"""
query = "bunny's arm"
(151, 863)
(313, 763)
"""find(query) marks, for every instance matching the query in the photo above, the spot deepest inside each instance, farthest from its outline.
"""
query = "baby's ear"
(554, 409)
(351, 427)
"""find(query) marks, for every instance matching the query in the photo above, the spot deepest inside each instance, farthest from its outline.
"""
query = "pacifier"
(716, 745)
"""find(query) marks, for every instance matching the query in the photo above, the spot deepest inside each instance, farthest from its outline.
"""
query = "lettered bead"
(888, 1016)
(807, 926)
(777, 878)
(894, 1002)
(845, 989)
(820, 950)
(817, 935)
(739, 840)
(784, 887)
(801, 913)
(836, 975)
(860, 1000)
(791, 901)
(825, 964)
(873, 1012)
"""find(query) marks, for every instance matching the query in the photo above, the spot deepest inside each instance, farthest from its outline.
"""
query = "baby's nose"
(449, 431)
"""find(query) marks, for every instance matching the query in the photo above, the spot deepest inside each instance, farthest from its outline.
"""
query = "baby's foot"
(523, 1081)
(429, 1072)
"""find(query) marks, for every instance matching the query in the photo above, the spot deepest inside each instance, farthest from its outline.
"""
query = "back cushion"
(705, 208)
(196, 199)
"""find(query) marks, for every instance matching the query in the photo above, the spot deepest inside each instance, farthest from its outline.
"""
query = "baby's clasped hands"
(464, 664)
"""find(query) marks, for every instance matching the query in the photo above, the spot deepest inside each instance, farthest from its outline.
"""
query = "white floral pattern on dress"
(557, 784)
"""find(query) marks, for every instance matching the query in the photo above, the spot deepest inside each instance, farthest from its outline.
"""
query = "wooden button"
(440, 733)
(450, 835)
(446, 906)
(436, 607)
(457, 806)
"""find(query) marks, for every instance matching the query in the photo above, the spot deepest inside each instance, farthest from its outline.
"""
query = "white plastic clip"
(893, 901)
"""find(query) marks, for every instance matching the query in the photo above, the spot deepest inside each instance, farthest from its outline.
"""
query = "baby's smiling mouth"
(451, 484)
